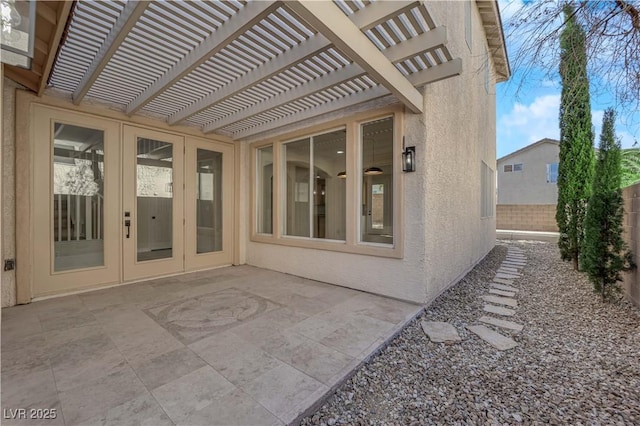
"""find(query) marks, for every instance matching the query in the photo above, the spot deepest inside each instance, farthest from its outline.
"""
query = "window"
(377, 181)
(552, 173)
(315, 203)
(333, 188)
(508, 168)
(487, 191)
(517, 167)
(264, 202)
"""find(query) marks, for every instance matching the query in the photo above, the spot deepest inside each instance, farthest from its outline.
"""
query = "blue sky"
(532, 113)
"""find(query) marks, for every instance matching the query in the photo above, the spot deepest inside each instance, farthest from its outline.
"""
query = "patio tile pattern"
(236, 345)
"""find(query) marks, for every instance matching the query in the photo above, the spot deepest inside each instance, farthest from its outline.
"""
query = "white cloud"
(525, 124)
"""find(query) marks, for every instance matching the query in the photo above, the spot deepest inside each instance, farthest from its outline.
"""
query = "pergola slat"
(125, 22)
(332, 22)
(237, 24)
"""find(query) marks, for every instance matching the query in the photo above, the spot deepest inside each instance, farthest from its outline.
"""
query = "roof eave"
(492, 23)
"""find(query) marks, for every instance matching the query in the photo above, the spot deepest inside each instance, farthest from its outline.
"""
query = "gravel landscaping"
(577, 359)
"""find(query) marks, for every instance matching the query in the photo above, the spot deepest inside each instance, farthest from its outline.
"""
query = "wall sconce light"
(18, 31)
(342, 175)
(409, 159)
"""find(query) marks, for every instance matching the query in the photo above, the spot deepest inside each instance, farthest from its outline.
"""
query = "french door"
(153, 197)
(115, 202)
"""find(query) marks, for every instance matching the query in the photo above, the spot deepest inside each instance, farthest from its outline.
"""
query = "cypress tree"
(605, 253)
(575, 169)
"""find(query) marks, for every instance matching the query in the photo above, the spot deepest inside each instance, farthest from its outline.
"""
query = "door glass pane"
(264, 200)
(208, 201)
(376, 224)
(296, 155)
(329, 193)
(78, 197)
(154, 215)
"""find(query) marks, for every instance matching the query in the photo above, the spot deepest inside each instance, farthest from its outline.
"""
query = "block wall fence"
(631, 196)
(526, 217)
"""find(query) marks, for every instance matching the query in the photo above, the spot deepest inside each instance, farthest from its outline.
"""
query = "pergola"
(239, 68)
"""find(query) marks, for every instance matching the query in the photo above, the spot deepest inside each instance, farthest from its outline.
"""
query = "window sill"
(367, 249)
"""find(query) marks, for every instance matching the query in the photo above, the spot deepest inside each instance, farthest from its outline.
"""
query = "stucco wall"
(527, 217)
(444, 233)
(530, 185)
(631, 197)
(8, 294)
(461, 133)
(399, 278)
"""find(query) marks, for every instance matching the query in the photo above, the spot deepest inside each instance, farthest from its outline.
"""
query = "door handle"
(127, 223)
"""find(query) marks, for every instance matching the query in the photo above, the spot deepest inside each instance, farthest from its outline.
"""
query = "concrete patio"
(236, 345)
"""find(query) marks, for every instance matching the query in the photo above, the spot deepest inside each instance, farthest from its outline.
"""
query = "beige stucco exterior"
(8, 288)
(444, 234)
(530, 185)
(441, 230)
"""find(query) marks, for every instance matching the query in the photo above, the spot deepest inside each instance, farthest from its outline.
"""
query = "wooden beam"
(56, 38)
(44, 10)
(244, 19)
(430, 75)
(22, 76)
(347, 101)
(327, 80)
(437, 73)
(379, 12)
(366, 18)
(426, 41)
(327, 18)
(125, 22)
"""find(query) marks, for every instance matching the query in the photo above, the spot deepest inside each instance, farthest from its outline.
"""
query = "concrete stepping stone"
(509, 271)
(510, 325)
(506, 276)
(440, 332)
(504, 287)
(513, 264)
(499, 310)
(502, 292)
(503, 281)
(501, 300)
(516, 258)
(516, 261)
(495, 339)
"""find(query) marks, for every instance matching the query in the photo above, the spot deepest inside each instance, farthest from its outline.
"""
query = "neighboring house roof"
(528, 147)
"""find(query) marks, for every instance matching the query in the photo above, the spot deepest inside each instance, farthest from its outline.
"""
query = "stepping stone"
(507, 276)
(504, 287)
(497, 340)
(503, 281)
(499, 310)
(509, 271)
(515, 260)
(513, 264)
(440, 332)
(501, 323)
(502, 292)
(501, 300)
(511, 257)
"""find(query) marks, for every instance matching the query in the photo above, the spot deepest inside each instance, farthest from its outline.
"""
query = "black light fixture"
(18, 31)
(409, 159)
(373, 170)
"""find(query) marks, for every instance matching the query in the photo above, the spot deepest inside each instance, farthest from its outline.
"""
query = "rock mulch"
(577, 359)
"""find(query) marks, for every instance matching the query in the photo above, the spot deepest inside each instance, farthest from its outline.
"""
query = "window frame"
(553, 182)
(353, 154)
(521, 169)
